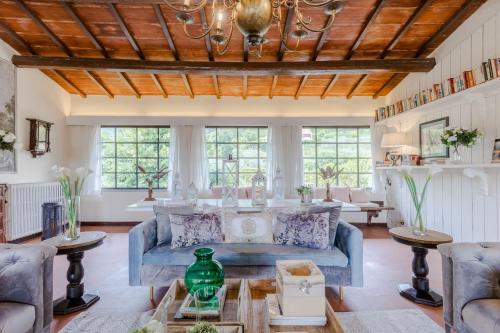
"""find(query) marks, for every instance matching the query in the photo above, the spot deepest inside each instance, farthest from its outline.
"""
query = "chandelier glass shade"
(253, 18)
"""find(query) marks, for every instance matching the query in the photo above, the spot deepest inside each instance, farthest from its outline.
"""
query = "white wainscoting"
(455, 204)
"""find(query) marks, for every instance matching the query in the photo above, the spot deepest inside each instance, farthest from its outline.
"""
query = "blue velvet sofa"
(157, 266)
(26, 288)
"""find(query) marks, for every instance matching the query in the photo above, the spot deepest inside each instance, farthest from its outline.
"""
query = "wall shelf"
(443, 166)
(479, 92)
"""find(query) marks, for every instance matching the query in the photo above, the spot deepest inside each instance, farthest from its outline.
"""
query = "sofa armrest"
(141, 239)
(26, 277)
(471, 272)
(349, 240)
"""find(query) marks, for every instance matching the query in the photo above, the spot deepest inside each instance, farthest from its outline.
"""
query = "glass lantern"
(259, 183)
(177, 187)
(230, 181)
(192, 194)
(278, 186)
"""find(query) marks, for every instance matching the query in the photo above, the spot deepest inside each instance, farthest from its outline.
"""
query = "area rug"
(394, 321)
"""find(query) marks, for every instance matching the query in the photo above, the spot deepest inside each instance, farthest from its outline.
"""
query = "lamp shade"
(391, 140)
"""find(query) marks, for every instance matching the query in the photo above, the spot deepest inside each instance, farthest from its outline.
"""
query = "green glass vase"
(205, 271)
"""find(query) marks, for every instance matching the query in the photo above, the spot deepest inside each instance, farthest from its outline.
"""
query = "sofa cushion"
(308, 230)
(190, 230)
(235, 254)
(359, 195)
(249, 227)
(16, 317)
(164, 228)
(334, 208)
(482, 315)
(341, 193)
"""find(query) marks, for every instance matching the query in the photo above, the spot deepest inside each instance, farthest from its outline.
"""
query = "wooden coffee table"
(75, 299)
(244, 311)
(419, 291)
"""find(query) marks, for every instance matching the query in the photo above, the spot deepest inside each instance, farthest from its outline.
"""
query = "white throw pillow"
(359, 196)
(341, 193)
(248, 227)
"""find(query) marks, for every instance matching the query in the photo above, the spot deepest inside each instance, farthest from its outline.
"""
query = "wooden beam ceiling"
(208, 45)
(361, 66)
(123, 76)
(402, 31)
(282, 48)
(443, 32)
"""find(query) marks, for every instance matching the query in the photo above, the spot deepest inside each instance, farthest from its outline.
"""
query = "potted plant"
(149, 179)
(7, 140)
(305, 193)
(203, 327)
(418, 223)
(72, 185)
(458, 137)
(329, 175)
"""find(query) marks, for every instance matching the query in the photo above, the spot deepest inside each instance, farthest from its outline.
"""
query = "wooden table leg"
(369, 215)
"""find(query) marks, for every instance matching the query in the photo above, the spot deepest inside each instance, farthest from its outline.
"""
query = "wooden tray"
(244, 311)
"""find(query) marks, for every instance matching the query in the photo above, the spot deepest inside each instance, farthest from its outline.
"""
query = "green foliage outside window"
(343, 148)
(247, 144)
(123, 148)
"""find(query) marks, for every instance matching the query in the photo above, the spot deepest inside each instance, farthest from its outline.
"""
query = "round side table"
(420, 291)
(75, 299)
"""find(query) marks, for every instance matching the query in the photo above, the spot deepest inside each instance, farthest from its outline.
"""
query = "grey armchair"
(26, 288)
(471, 275)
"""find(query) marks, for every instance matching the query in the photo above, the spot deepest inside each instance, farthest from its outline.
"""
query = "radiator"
(24, 207)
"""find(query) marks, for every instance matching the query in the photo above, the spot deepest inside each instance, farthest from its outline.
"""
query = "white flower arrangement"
(7, 140)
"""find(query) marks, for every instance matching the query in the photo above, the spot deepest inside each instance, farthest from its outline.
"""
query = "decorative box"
(300, 286)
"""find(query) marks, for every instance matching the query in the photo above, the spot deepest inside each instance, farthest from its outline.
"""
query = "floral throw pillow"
(307, 230)
(189, 230)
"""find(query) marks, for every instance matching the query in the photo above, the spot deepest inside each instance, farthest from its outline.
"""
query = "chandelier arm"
(209, 28)
(225, 48)
(189, 10)
(318, 4)
(306, 25)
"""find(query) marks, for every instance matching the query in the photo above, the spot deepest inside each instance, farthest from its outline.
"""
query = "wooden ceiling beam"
(395, 40)
(166, 33)
(282, 49)
(245, 59)
(133, 43)
(361, 36)
(210, 51)
(317, 49)
(358, 66)
(71, 12)
(445, 30)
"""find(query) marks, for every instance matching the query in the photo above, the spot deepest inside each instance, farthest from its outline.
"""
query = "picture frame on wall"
(8, 161)
(430, 139)
(495, 158)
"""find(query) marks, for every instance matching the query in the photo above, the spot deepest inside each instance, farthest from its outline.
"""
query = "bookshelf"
(478, 92)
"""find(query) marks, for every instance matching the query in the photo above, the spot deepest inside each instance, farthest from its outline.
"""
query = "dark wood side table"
(75, 299)
(419, 291)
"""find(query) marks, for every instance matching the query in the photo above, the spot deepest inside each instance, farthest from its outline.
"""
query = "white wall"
(454, 203)
(229, 111)
(37, 97)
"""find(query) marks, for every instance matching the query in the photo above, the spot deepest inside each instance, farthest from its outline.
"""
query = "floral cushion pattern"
(307, 230)
(189, 230)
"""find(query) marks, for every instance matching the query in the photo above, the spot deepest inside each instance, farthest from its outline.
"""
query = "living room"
(328, 166)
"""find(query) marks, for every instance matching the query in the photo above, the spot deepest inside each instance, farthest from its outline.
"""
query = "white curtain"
(188, 156)
(285, 152)
(93, 184)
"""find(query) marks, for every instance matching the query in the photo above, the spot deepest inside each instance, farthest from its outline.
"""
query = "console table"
(419, 291)
(75, 299)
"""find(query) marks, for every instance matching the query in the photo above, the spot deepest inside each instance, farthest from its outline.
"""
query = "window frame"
(336, 158)
(136, 143)
(218, 173)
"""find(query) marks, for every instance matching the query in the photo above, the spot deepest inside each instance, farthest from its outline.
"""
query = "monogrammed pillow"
(248, 227)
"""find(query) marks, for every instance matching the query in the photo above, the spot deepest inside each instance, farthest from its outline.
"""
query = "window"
(247, 144)
(347, 148)
(123, 148)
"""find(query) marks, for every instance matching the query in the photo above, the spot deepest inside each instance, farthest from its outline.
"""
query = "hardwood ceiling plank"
(282, 48)
(446, 29)
(98, 82)
(330, 86)
(397, 37)
(166, 33)
(208, 45)
(125, 79)
(17, 38)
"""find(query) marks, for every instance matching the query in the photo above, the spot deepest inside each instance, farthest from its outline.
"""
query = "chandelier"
(253, 19)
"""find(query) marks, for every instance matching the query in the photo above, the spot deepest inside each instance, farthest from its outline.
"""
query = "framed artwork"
(7, 112)
(496, 152)
(430, 139)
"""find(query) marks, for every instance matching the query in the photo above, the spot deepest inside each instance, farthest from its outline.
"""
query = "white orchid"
(452, 138)
(405, 171)
(7, 140)
(434, 170)
(2, 132)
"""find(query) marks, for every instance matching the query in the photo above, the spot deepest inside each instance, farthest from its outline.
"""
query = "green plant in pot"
(305, 193)
(455, 138)
(205, 271)
(203, 328)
